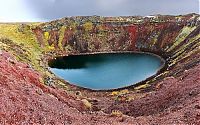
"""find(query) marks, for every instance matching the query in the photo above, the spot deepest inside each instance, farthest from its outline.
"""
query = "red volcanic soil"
(24, 100)
(174, 100)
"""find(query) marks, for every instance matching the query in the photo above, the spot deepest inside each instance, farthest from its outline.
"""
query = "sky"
(45, 10)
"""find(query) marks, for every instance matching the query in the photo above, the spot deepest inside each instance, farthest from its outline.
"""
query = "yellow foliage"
(87, 104)
(122, 92)
(46, 36)
(114, 93)
(142, 87)
(184, 33)
(28, 40)
(88, 26)
(51, 48)
(61, 36)
(116, 113)
(73, 25)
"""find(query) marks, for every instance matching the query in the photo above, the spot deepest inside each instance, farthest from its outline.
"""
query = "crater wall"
(175, 38)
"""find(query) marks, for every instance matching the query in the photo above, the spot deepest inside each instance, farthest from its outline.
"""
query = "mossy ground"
(20, 41)
(25, 40)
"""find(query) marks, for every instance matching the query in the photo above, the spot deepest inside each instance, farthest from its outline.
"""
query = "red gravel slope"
(23, 100)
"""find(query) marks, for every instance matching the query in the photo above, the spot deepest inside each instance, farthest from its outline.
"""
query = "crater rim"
(162, 68)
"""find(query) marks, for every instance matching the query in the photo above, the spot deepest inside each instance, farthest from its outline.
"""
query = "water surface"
(106, 71)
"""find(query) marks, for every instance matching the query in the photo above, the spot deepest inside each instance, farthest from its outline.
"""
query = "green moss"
(183, 34)
(183, 47)
(61, 36)
(26, 40)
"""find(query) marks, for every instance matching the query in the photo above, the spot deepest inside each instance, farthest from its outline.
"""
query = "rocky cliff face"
(175, 38)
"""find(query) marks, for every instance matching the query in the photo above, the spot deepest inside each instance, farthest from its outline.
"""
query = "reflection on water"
(106, 71)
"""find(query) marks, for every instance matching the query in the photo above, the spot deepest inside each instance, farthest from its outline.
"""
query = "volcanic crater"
(172, 96)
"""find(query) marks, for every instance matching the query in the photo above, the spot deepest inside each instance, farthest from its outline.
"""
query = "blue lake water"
(106, 71)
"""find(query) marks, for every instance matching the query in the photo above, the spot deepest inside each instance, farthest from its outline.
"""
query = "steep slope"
(175, 38)
(31, 94)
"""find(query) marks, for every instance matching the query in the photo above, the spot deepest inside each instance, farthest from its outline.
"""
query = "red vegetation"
(39, 35)
(54, 38)
(67, 35)
(133, 32)
(24, 100)
(174, 101)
